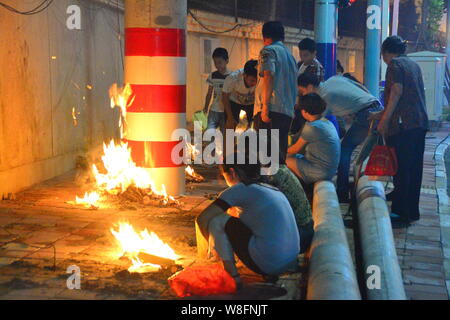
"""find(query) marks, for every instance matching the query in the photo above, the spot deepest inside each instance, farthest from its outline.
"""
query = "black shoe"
(399, 223)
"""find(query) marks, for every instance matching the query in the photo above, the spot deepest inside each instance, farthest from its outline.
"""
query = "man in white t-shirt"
(238, 94)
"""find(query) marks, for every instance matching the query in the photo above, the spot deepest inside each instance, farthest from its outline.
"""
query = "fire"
(122, 173)
(194, 175)
(193, 152)
(121, 170)
(120, 97)
(90, 200)
(133, 243)
(243, 115)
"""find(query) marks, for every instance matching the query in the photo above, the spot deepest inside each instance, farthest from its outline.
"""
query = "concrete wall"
(45, 71)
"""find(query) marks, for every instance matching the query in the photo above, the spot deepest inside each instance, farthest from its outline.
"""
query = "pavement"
(423, 248)
(42, 235)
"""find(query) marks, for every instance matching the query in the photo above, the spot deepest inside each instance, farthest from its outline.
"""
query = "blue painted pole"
(325, 29)
(373, 47)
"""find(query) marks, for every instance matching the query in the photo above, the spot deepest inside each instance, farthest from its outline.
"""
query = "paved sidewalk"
(41, 235)
(40, 222)
(421, 247)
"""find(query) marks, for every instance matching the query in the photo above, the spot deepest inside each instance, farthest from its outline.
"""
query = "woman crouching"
(262, 231)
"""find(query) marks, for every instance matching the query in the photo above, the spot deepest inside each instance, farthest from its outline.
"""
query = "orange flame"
(90, 199)
(120, 97)
(132, 243)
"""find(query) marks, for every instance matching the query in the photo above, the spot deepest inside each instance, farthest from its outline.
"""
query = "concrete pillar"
(373, 47)
(325, 30)
(155, 67)
(331, 273)
(383, 275)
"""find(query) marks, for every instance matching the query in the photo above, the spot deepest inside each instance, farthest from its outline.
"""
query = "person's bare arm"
(267, 83)
(206, 216)
(208, 99)
(394, 97)
(298, 146)
(203, 223)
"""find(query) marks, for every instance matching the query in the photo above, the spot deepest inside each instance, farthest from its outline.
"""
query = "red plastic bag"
(382, 162)
(202, 281)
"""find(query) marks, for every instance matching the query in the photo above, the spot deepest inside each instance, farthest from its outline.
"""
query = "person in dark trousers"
(278, 89)
(238, 93)
(404, 124)
(351, 101)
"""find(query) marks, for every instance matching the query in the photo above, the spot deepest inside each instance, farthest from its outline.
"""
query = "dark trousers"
(236, 111)
(409, 147)
(355, 135)
(239, 236)
(278, 121)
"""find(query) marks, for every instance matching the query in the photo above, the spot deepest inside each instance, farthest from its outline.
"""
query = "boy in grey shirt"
(319, 142)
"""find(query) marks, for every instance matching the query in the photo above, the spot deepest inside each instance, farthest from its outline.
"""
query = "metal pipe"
(331, 273)
(383, 277)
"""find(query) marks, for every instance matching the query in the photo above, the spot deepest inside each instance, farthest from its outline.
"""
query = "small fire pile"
(123, 178)
(146, 251)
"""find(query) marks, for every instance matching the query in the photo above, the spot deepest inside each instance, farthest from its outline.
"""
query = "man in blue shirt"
(277, 87)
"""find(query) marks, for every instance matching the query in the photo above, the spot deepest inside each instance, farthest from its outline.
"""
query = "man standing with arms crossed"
(277, 88)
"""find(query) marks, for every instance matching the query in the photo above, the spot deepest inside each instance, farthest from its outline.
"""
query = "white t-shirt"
(217, 80)
(239, 93)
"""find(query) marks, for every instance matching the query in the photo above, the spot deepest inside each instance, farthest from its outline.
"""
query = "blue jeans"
(355, 135)
(216, 120)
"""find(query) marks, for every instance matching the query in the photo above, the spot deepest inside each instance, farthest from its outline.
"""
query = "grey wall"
(44, 71)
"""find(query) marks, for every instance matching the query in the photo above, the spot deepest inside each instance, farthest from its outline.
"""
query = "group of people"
(266, 220)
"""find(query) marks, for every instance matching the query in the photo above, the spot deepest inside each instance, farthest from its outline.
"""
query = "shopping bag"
(202, 118)
(202, 281)
(382, 161)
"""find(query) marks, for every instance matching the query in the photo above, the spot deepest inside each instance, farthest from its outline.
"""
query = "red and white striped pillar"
(155, 67)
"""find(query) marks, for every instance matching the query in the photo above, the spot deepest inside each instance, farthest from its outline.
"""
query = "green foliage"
(435, 14)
